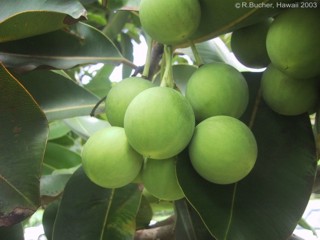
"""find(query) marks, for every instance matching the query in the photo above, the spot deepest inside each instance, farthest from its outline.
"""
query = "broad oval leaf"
(59, 97)
(88, 211)
(51, 186)
(270, 201)
(57, 129)
(23, 136)
(61, 49)
(21, 19)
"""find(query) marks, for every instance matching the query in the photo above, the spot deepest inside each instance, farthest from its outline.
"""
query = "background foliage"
(48, 49)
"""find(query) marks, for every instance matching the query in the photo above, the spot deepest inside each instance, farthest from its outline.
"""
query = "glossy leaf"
(58, 157)
(23, 135)
(61, 49)
(219, 16)
(49, 217)
(59, 97)
(96, 213)
(270, 201)
(189, 225)
(21, 19)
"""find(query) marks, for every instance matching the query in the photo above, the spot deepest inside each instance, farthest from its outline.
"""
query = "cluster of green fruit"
(152, 125)
(291, 79)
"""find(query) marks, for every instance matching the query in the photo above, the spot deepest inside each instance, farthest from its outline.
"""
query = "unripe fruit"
(160, 179)
(108, 159)
(170, 21)
(159, 123)
(249, 45)
(286, 95)
(293, 42)
(121, 95)
(223, 150)
(217, 89)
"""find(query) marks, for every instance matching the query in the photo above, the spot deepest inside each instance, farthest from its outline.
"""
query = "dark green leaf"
(219, 16)
(144, 215)
(257, 207)
(14, 232)
(23, 135)
(59, 97)
(21, 19)
(115, 24)
(127, 52)
(189, 225)
(96, 213)
(48, 218)
(58, 157)
(61, 49)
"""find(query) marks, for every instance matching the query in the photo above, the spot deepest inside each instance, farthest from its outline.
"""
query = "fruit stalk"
(196, 55)
(146, 69)
(167, 79)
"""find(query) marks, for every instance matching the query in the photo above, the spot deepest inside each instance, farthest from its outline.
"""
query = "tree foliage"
(49, 108)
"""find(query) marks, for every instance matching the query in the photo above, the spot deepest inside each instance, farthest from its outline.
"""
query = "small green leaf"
(61, 49)
(100, 83)
(57, 129)
(53, 185)
(96, 213)
(58, 157)
(257, 207)
(59, 97)
(21, 19)
(86, 126)
(23, 135)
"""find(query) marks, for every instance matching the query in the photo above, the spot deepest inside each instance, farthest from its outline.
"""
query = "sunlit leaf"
(257, 207)
(57, 129)
(61, 49)
(21, 19)
(111, 212)
(23, 135)
(86, 126)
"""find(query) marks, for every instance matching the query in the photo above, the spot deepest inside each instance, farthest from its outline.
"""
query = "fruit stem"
(196, 54)
(146, 69)
(167, 79)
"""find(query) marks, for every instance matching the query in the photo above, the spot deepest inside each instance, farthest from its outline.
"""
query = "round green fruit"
(286, 95)
(170, 21)
(160, 179)
(249, 45)
(121, 95)
(159, 122)
(217, 89)
(108, 160)
(223, 150)
(293, 42)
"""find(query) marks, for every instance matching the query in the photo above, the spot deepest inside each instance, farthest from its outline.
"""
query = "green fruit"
(159, 123)
(160, 179)
(293, 42)
(121, 95)
(108, 159)
(223, 150)
(170, 21)
(249, 45)
(217, 89)
(286, 95)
